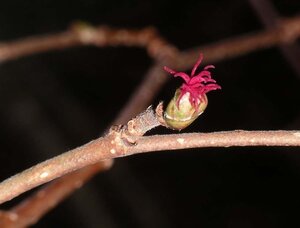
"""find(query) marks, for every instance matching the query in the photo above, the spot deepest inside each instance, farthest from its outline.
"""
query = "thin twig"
(113, 146)
(286, 31)
(216, 139)
(81, 35)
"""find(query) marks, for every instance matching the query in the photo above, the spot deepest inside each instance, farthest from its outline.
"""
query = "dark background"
(55, 101)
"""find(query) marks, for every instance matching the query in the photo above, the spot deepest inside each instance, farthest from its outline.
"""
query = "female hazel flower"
(190, 99)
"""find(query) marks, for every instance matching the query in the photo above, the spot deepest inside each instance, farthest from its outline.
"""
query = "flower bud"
(190, 99)
(179, 115)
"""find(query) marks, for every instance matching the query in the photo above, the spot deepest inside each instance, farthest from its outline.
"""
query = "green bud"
(179, 115)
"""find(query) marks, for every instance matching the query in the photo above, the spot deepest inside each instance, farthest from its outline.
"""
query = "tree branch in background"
(286, 31)
(269, 16)
(81, 34)
(33, 208)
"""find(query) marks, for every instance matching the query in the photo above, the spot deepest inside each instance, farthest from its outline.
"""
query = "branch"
(127, 141)
(81, 34)
(285, 32)
(115, 144)
(269, 16)
(216, 139)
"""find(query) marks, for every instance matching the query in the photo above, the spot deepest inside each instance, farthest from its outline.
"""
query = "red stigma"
(195, 84)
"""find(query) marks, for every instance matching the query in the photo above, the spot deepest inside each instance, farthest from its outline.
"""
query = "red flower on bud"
(196, 85)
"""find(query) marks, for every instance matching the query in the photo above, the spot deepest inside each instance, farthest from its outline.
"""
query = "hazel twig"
(115, 144)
